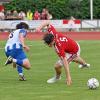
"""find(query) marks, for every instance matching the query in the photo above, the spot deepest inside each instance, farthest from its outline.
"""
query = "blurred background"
(66, 15)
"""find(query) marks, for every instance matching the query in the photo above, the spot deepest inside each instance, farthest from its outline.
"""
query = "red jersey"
(52, 30)
(64, 45)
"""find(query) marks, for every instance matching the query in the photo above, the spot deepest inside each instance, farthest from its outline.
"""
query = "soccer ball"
(93, 83)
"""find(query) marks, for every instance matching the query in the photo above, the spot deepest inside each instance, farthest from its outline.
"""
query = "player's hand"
(68, 81)
(26, 48)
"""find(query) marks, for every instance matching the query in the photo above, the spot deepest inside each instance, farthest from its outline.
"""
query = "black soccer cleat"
(9, 60)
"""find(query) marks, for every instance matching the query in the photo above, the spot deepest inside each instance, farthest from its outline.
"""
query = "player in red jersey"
(67, 49)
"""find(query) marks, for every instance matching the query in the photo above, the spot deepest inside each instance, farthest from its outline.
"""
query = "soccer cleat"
(84, 66)
(53, 79)
(9, 60)
(22, 78)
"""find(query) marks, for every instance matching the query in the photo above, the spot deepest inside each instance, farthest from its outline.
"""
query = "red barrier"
(76, 21)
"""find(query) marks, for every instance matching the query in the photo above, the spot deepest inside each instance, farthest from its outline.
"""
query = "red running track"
(73, 35)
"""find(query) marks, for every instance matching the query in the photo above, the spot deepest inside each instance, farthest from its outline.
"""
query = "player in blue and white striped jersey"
(15, 47)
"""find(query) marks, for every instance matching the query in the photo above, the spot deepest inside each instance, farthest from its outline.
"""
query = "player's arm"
(22, 40)
(67, 71)
(44, 24)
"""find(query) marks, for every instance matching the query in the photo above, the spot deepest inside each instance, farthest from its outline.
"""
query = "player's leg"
(14, 65)
(20, 72)
(18, 58)
(10, 53)
(24, 63)
(79, 60)
(82, 62)
(58, 67)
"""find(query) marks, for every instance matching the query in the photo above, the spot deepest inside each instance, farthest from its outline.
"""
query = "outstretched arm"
(43, 24)
(23, 43)
(67, 71)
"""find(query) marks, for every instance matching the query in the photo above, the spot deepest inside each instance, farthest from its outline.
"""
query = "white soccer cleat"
(84, 66)
(53, 79)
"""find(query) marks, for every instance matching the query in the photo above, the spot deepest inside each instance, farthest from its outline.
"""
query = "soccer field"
(42, 60)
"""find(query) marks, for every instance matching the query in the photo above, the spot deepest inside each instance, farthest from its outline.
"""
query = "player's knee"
(28, 68)
(27, 65)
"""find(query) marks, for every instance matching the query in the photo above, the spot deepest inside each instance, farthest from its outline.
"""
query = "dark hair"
(22, 25)
(48, 38)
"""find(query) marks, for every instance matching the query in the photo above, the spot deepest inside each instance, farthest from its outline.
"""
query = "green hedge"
(60, 9)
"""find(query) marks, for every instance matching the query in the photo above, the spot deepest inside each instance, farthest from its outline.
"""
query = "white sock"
(21, 74)
(14, 60)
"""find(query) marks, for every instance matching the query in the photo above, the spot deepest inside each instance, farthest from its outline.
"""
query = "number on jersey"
(11, 35)
(63, 39)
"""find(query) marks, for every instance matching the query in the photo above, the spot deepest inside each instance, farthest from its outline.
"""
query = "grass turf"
(42, 59)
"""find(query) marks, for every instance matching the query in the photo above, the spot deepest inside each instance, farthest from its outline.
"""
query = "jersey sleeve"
(60, 51)
(61, 54)
(23, 32)
(52, 30)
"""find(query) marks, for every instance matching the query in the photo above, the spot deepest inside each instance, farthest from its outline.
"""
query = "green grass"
(42, 59)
